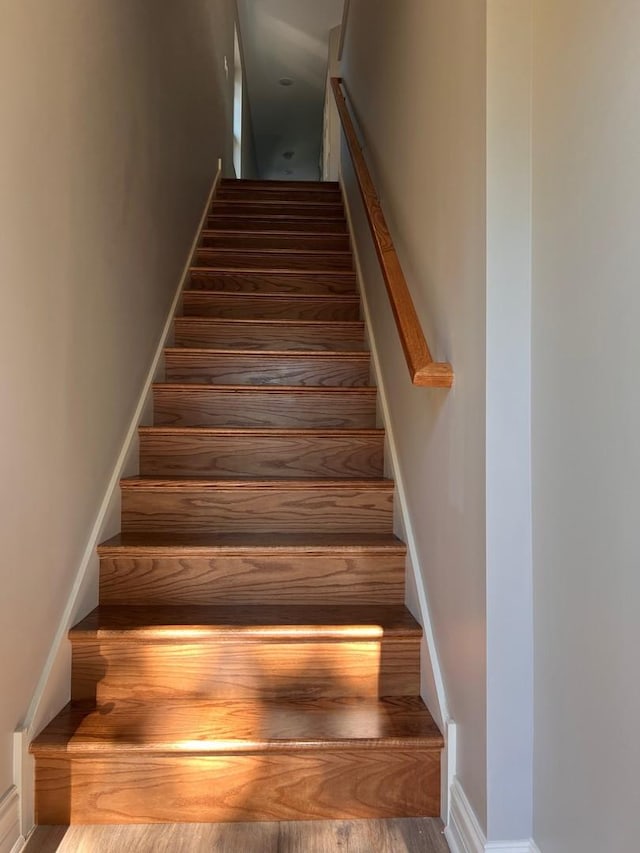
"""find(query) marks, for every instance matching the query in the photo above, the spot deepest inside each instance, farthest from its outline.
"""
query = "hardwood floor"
(402, 835)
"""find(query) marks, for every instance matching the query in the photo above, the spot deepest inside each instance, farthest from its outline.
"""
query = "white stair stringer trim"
(449, 757)
(23, 766)
(11, 839)
(464, 834)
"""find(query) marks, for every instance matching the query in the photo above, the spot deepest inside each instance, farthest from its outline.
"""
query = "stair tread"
(270, 389)
(264, 232)
(254, 621)
(357, 355)
(213, 483)
(260, 324)
(212, 726)
(202, 543)
(267, 297)
(262, 432)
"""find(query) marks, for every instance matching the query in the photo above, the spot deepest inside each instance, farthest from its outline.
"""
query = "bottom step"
(239, 760)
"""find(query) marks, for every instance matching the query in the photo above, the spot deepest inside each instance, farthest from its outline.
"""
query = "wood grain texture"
(307, 194)
(202, 405)
(274, 240)
(422, 369)
(169, 451)
(252, 222)
(290, 281)
(153, 654)
(294, 306)
(183, 506)
(240, 726)
(393, 835)
(300, 209)
(274, 259)
(171, 573)
(268, 786)
(316, 335)
(267, 367)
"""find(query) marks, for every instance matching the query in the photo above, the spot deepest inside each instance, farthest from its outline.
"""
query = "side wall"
(586, 424)
(415, 72)
(114, 116)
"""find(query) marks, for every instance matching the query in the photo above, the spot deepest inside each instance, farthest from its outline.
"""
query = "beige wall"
(416, 73)
(586, 424)
(113, 117)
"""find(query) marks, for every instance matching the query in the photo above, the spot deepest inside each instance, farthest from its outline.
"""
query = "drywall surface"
(586, 424)
(113, 117)
(508, 472)
(415, 72)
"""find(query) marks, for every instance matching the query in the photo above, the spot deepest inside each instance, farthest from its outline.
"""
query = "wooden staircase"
(251, 657)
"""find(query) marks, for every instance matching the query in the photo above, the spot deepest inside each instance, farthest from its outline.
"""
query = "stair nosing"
(266, 432)
(262, 232)
(211, 321)
(370, 390)
(212, 484)
(346, 298)
(277, 271)
(355, 355)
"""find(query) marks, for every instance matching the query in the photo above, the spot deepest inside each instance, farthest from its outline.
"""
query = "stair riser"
(246, 580)
(109, 671)
(273, 260)
(261, 456)
(340, 783)
(246, 306)
(285, 224)
(280, 336)
(308, 196)
(265, 282)
(321, 210)
(257, 509)
(308, 242)
(257, 408)
(185, 366)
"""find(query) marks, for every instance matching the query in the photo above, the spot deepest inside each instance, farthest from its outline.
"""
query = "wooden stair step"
(201, 451)
(267, 281)
(285, 223)
(250, 568)
(304, 240)
(230, 193)
(266, 367)
(292, 186)
(315, 335)
(208, 760)
(275, 259)
(265, 306)
(234, 726)
(184, 505)
(324, 210)
(150, 653)
(264, 406)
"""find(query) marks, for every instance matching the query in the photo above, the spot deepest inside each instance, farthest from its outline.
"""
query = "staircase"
(251, 657)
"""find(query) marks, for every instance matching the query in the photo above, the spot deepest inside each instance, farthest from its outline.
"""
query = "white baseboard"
(464, 834)
(11, 838)
(442, 712)
(57, 666)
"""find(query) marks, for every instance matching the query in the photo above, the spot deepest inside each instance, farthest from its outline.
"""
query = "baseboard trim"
(446, 723)
(464, 834)
(22, 768)
(11, 839)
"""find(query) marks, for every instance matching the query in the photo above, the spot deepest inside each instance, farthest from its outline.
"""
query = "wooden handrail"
(423, 369)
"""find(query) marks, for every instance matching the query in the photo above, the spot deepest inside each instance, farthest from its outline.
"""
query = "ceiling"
(287, 39)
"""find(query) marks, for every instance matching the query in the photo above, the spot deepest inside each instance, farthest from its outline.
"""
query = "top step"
(243, 183)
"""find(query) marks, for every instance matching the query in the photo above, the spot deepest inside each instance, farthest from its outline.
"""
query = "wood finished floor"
(417, 835)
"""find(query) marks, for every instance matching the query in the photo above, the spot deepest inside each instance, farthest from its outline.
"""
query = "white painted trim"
(343, 28)
(24, 773)
(464, 834)
(449, 756)
(11, 839)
